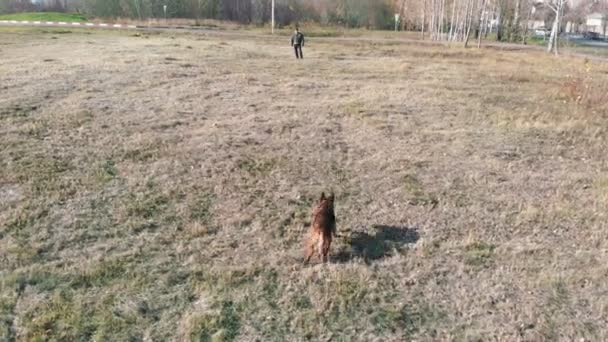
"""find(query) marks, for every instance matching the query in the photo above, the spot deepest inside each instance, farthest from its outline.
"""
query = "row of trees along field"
(372, 14)
(449, 20)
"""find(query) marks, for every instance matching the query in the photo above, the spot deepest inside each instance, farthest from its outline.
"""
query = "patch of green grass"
(223, 326)
(41, 168)
(23, 253)
(70, 316)
(103, 274)
(601, 185)
(256, 167)
(36, 129)
(355, 109)
(106, 171)
(144, 152)
(43, 280)
(58, 316)
(409, 320)
(300, 212)
(109, 168)
(418, 196)
(536, 40)
(17, 110)
(140, 154)
(46, 175)
(45, 16)
(479, 253)
(261, 291)
(350, 293)
(64, 312)
(40, 279)
(302, 302)
(23, 222)
(227, 280)
(431, 247)
(76, 306)
(557, 301)
(200, 209)
(148, 206)
(78, 119)
(7, 308)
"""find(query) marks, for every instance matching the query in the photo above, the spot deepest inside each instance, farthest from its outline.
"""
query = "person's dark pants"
(298, 49)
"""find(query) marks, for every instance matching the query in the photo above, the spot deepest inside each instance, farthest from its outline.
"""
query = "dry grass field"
(158, 187)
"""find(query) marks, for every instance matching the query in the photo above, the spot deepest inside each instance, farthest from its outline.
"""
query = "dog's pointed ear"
(322, 196)
(332, 196)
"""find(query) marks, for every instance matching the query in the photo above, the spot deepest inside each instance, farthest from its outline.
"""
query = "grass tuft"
(479, 253)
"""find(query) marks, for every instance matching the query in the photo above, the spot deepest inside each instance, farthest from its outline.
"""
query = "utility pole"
(272, 15)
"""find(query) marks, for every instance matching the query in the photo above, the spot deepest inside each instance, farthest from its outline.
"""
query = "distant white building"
(597, 22)
(535, 24)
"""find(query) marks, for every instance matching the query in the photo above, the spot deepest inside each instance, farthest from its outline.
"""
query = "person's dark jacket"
(297, 39)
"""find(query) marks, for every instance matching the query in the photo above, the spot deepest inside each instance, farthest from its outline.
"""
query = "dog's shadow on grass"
(385, 242)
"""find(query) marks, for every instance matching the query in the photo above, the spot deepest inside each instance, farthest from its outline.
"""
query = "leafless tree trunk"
(463, 23)
(524, 39)
(457, 27)
(432, 20)
(552, 46)
(451, 33)
(437, 20)
(557, 6)
(136, 4)
(515, 29)
(482, 25)
(402, 14)
(443, 22)
(423, 18)
(499, 22)
(493, 11)
(469, 22)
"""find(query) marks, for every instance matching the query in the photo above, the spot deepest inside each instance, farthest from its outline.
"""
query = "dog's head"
(327, 200)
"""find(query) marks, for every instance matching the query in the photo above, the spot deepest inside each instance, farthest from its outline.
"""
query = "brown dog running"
(322, 229)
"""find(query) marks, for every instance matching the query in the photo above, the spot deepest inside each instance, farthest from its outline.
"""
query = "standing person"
(297, 41)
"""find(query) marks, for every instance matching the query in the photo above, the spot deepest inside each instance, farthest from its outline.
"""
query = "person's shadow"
(385, 241)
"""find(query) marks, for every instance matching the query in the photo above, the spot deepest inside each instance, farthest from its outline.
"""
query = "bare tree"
(532, 7)
(473, 5)
(514, 32)
(558, 7)
(451, 33)
(423, 17)
(482, 22)
(448, 20)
